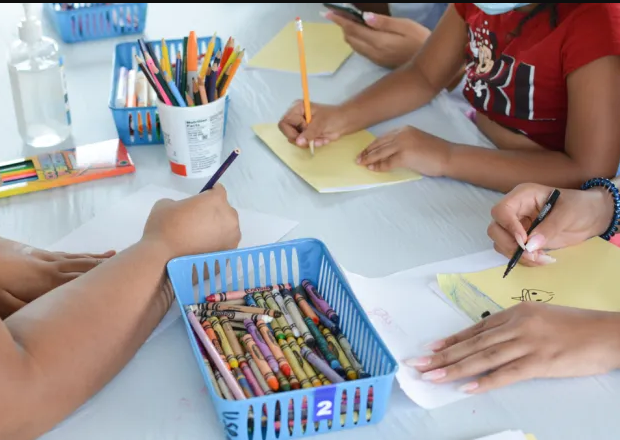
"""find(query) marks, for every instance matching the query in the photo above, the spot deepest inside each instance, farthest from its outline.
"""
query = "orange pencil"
(189, 99)
(233, 70)
(228, 50)
(304, 75)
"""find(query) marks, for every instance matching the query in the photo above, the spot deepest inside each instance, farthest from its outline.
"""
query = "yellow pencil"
(165, 58)
(206, 61)
(304, 76)
(231, 59)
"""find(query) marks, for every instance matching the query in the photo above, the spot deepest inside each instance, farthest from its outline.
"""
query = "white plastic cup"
(194, 137)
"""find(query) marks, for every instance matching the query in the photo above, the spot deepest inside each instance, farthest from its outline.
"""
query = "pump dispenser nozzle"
(30, 29)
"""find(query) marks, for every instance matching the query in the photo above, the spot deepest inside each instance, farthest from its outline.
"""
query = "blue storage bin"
(140, 125)
(96, 22)
(279, 263)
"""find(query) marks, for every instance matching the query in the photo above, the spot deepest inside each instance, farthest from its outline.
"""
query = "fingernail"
(358, 159)
(435, 345)
(326, 14)
(369, 17)
(301, 141)
(434, 375)
(534, 243)
(545, 259)
(418, 362)
(371, 167)
(468, 387)
(519, 240)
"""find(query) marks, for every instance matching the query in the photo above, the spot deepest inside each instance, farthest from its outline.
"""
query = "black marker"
(541, 216)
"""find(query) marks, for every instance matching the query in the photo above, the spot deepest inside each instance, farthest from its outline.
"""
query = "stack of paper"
(121, 226)
(509, 435)
(324, 46)
(333, 167)
(580, 278)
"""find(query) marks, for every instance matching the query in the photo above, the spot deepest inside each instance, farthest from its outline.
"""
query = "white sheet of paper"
(505, 435)
(408, 315)
(121, 225)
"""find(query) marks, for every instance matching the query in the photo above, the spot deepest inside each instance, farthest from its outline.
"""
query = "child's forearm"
(61, 349)
(502, 170)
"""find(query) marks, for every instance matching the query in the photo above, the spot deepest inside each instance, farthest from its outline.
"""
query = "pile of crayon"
(273, 339)
(74, 6)
(18, 173)
(183, 83)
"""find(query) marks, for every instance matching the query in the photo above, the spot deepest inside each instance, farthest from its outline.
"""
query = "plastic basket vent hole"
(284, 267)
(272, 269)
(295, 268)
(262, 270)
(304, 415)
(217, 273)
(369, 404)
(343, 408)
(240, 278)
(194, 282)
(278, 418)
(250, 281)
(265, 423)
(228, 274)
(251, 424)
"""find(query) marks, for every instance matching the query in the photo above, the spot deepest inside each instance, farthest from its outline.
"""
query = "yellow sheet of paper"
(530, 437)
(333, 167)
(324, 45)
(583, 277)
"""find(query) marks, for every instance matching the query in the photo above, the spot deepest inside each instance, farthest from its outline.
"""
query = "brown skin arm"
(43, 359)
(592, 140)
(416, 83)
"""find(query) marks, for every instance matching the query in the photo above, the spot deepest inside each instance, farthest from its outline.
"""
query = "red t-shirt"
(520, 82)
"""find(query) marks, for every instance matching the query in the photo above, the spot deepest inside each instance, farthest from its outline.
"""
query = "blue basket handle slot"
(324, 403)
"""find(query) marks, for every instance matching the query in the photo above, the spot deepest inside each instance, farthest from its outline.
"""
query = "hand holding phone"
(347, 11)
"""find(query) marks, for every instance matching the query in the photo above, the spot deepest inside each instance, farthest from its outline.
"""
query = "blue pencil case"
(289, 262)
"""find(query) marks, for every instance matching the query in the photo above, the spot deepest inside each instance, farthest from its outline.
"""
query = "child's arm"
(61, 349)
(415, 84)
(592, 140)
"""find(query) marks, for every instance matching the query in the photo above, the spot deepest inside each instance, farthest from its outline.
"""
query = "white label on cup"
(202, 135)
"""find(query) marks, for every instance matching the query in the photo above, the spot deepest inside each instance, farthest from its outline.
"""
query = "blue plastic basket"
(97, 22)
(131, 123)
(280, 263)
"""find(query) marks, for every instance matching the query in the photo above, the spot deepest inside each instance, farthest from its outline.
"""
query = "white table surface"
(375, 233)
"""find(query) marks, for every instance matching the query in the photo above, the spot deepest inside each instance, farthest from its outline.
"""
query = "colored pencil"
(221, 170)
(178, 72)
(233, 71)
(150, 79)
(206, 61)
(304, 75)
(174, 90)
(192, 58)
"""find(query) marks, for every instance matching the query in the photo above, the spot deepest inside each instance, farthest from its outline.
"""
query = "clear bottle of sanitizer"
(38, 85)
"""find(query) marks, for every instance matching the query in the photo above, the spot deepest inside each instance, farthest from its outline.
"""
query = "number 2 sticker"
(324, 403)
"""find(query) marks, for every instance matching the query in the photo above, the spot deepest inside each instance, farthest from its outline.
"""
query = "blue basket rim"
(79, 10)
(182, 260)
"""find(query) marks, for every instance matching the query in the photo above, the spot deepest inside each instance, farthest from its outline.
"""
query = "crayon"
(291, 306)
(321, 365)
(221, 383)
(302, 380)
(231, 337)
(323, 347)
(253, 380)
(284, 384)
(235, 294)
(319, 302)
(205, 361)
(235, 302)
(334, 347)
(273, 347)
(244, 309)
(264, 387)
(324, 380)
(271, 303)
(249, 300)
(214, 356)
(289, 319)
(305, 308)
(243, 383)
(277, 330)
(206, 325)
(262, 345)
(263, 366)
(305, 366)
(325, 322)
(234, 316)
(219, 331)
(348, 351)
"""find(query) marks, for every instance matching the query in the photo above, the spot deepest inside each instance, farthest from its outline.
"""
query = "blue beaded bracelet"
(609, 186)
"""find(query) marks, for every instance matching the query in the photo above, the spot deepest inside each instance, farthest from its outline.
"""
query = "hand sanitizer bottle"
(38, 85)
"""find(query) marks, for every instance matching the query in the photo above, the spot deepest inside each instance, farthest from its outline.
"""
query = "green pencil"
(184, 85)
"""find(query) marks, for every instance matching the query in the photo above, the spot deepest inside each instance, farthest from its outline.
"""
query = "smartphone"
(347, 11)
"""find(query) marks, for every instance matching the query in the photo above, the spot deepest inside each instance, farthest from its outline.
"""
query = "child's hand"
(200, 224)
(576, 217)
(27, 273)
(326, 125)
(387, 41)
(527, 341)
(408, 148)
